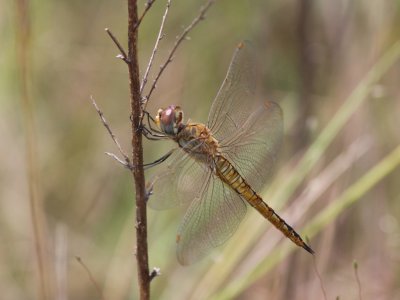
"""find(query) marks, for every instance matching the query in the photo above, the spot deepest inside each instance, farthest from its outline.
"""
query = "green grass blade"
(360, 93)
(350, 196)
(311, 157)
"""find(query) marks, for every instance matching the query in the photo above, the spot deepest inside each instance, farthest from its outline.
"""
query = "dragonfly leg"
(159, 161)
(150, 135)
(150, 120)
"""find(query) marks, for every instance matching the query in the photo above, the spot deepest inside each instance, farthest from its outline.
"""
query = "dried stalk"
(135, 164)
(123, 55)
(159, 38)
(137, 154)
(45, 283)
(91, 277)
(113, 137)
(148, 5)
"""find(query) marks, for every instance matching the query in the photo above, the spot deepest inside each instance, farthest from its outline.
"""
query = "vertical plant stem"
(137, 155)
(35, 201)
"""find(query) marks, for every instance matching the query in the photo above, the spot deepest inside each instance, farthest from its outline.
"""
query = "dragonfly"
(219, 168)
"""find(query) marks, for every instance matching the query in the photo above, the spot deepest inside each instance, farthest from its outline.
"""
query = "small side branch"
(91, 278)
(123, 54)
(147, 7)
(355, 267)
(321, 283)
(114, 138)
(196, 20)
(159, 38)
(154, 273)
(124, 163)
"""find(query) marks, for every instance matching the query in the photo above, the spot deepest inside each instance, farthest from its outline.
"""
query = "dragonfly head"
(170, 120)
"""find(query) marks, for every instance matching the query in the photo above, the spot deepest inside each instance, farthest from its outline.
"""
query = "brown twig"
(147, 7)
(154, 273)
(124, 163)
(91, 278)
(159, 38)
(321, 283)
(137, 154)
(179, 40)
(123, 55)
(113, 137)
(355, 267)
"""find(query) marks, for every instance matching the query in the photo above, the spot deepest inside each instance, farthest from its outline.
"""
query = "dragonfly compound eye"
(169, 119)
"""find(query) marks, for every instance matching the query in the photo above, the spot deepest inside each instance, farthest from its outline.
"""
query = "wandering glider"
(220, 166)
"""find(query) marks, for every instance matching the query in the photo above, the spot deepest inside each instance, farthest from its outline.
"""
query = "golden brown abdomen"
(228, 174)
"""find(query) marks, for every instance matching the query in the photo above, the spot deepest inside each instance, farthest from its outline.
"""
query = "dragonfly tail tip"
(308, 249)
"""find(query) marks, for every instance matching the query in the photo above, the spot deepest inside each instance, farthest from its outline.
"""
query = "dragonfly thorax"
(194, 138)
(197, 140)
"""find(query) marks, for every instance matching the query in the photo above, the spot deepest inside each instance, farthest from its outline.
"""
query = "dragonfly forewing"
(236, 99)
(248, 130)
(254, 149)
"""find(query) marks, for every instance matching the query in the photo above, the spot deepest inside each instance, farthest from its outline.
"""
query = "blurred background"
(337, 179)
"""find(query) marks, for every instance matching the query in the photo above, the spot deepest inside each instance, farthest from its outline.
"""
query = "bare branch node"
(147, 7)
(123, 55)
(154, 273)
(159, 37)
(90, 275)
(124, 163)
(113, 137)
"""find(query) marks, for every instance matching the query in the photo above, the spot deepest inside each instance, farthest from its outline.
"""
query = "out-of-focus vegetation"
(337, 177)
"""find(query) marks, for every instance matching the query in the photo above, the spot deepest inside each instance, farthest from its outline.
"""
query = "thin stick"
(321, 283)
(355, 267)
(123, 55)
(114, 138)
(91, 278)
(142, 258)
(159, 38)
(147, 7)
(124, 163)
(179, 40)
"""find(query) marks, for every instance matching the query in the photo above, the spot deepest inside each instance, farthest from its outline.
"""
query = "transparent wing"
(254, 148)
(177, 182)
(235, 100)
(213, 216)
(249, 131)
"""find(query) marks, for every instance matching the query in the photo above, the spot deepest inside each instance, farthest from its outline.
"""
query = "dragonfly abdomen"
(228, 174)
